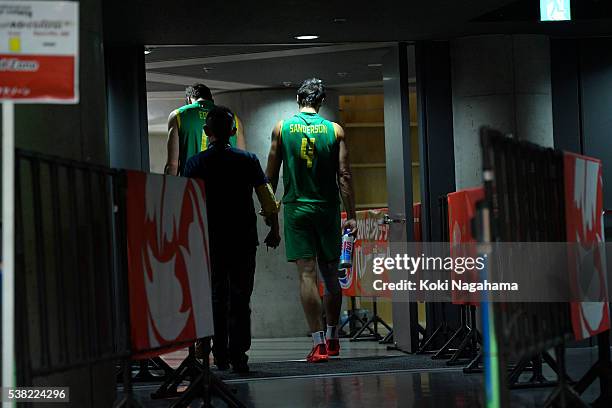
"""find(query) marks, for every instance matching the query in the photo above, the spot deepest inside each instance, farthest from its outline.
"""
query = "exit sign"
(555, 10)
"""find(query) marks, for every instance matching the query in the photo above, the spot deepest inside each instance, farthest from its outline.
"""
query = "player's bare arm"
(172, 160)
(345, 180)
(275, 158)
(240, 138)
(272, 173)
(269, 210)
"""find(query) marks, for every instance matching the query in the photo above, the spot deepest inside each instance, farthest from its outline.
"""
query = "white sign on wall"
(39, 43)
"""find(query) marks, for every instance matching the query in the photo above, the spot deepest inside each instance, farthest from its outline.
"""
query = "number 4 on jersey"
(307, 150)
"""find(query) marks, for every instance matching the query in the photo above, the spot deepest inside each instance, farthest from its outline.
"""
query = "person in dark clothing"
(230, 175)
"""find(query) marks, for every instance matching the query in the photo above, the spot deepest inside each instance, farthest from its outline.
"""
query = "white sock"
(332, 332)
(318, 337)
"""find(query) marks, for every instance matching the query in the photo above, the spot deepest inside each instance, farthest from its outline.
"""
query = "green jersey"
(190, 120)
(310, 159)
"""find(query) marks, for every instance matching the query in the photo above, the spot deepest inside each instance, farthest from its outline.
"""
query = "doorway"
(259, 84)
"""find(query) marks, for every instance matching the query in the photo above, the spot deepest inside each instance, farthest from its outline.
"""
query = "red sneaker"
(318, 354)
(333, 347)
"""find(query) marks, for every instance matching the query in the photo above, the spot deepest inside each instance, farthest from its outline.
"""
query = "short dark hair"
(197, 91)
(220, 120)
(311, 93)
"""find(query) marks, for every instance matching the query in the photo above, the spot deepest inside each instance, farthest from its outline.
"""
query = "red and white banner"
(584, 226)
(372, 241)
(461, 211)
(168, 263)
(39, 43)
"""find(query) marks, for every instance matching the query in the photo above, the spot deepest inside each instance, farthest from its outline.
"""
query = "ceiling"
(243, 45)
(351, 68)
(188, 22)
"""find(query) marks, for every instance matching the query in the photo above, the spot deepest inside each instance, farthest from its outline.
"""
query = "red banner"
(584, 225)
(461, 211)
(168, 263)
(372, 240)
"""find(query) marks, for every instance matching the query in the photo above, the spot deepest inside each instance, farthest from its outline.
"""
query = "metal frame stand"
(203, 383)
(352, 320)
(470, 340)
(127, 401)
(388, 339)
(190, 368)
(475, 366)
(442, 330)
(144, 368)
(601, 370)
(468, 348)
(564, 395)
(446, 350)
(374, 320)
(537, 379)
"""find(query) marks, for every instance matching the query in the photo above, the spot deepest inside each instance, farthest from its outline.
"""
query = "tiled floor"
(445, 387)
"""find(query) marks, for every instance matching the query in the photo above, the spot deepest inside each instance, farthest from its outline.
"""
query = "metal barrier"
(71, 291)
(525, 201)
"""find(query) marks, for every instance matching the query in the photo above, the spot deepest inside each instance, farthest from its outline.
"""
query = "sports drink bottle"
(346, 256)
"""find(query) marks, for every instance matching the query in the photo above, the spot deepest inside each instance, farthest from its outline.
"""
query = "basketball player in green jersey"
(186, 136)
(316, 171)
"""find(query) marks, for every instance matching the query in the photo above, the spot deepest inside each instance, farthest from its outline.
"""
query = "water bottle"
(346, 256)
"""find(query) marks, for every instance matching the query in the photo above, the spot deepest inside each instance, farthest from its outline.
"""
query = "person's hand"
(267, 220)
(261, 212)
(273, 238)
(351, 225)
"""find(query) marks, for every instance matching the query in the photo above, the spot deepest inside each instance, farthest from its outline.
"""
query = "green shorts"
(312, 231)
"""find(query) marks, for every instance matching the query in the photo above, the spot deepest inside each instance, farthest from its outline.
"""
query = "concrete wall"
(277, 311)
(501, 81)
(157, 150)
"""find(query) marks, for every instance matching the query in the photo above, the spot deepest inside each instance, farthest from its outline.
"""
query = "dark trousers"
(232, 285)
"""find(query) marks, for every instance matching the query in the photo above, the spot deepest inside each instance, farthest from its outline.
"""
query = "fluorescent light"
(374, 65)
(307, 37)
(147, 51)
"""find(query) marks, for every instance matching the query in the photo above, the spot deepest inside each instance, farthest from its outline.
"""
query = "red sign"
(168, 263)
(39, 51)
(372, 241)
(584, 226)
(461, 211)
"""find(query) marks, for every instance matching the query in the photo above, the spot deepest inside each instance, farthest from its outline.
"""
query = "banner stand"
(157, 363)
(602, 370)
(202, 383)
(144, 370)
(189, 368)
(374, 320)
(443, 331)
(352, 320)
(127, 401)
